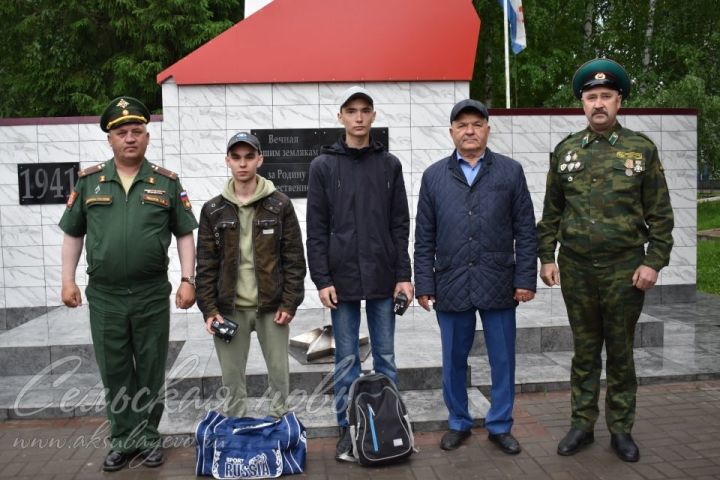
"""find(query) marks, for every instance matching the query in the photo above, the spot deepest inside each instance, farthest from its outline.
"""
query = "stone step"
(550, 371)
(81, 394)
(197, 373)
(60, 340)
(317, 412)
(537, 333)
(78, 395)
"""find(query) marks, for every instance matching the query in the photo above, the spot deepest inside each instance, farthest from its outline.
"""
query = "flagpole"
(507, 54)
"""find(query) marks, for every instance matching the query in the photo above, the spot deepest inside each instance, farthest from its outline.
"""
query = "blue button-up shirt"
(469, 171)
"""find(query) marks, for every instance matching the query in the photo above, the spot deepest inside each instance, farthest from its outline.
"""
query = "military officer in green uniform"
(606, 198)
(126, 208)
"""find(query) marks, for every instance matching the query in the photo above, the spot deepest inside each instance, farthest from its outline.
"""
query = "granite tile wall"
(198, 120)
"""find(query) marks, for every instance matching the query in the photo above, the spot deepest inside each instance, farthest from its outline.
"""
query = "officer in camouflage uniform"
(128, 208)
(606, 197)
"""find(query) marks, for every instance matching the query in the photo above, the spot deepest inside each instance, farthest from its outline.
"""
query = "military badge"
(156, 199)
(628, 163)
(629, 172)
(570, 179)
(568, 157)
(185, 200)
(563, 167)
(99, 199)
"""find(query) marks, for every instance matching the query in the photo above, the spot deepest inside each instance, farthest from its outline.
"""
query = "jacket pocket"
(441, 264)
(627, 175)
(159, 200)
(504, 259)
(221, 231)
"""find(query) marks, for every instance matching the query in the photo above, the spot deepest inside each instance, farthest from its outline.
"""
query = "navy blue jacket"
(475, 244)
(358, 222)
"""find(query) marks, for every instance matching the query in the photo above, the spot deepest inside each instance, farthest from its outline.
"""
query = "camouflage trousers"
(603, 307)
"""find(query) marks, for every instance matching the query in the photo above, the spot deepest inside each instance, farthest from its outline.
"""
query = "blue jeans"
(346, 330)
(457, 332)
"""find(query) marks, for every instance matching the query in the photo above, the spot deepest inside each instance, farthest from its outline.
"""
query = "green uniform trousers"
(603, 307)
(233, 356)
(130, 335)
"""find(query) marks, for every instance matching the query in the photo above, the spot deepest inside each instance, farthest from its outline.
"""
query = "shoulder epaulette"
(90, 170)
(164, 171)
(569, 135)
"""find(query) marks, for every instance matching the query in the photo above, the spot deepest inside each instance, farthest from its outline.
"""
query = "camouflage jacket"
(605, 196)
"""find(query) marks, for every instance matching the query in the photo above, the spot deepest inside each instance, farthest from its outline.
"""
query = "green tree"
(669, 47)
(69, 57)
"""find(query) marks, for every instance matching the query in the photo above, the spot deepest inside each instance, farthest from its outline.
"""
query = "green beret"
(601, 72)
(124, 110)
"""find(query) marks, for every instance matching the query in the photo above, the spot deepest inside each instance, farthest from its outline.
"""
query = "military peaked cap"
(601, 72)
(124, 110)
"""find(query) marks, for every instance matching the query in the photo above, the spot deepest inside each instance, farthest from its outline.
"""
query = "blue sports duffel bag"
(231, 447)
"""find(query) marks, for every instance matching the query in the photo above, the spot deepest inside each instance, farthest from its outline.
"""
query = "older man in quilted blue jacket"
(475, 249)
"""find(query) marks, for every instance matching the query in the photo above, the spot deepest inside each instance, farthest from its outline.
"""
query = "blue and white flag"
(516, 17)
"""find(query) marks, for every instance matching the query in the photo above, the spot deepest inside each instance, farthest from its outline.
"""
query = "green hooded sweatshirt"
(246, 294)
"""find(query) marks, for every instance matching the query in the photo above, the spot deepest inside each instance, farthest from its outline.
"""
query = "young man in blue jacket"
(357, 245)
(475, 252)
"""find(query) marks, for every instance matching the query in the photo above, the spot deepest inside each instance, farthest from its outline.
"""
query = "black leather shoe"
(625, 447)
(116, 460)
(574, 441)
(152, 457)
(453, 439)
(506, 442)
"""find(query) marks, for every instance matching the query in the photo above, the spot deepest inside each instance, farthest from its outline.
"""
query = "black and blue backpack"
(379, 423)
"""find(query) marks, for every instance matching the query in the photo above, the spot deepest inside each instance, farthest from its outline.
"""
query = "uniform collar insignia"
(585, 140)
(613, 138)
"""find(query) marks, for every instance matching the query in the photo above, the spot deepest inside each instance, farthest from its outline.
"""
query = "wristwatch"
(190, 280)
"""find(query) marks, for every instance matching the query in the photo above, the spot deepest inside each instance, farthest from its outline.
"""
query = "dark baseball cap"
(244, 137)
(468, 104)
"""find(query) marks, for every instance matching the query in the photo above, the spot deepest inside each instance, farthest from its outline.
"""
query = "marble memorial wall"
(197, 121)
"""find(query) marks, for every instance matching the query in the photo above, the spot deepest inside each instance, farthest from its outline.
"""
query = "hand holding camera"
(400, 303)
(224, 330)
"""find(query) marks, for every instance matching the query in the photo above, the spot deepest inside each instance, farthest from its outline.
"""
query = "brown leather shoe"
(453, 439)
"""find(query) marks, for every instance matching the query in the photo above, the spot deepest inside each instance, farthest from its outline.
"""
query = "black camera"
(224, 330)
(400, 304)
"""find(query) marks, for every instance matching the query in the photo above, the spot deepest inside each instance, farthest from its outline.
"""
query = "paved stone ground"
(677, 428)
